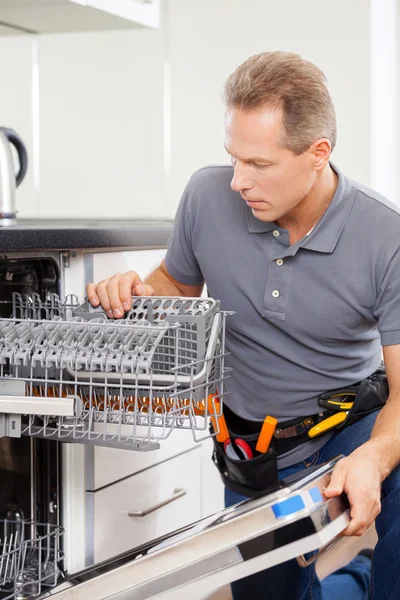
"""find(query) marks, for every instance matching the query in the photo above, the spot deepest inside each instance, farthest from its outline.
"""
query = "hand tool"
(238, 449)
(328, 424)
(266, 434)
(218, 423)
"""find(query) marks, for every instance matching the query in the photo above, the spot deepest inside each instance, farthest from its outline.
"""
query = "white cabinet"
(106, 264)
(147, 505)
(212, 488)
(53, 16)
(112, 464)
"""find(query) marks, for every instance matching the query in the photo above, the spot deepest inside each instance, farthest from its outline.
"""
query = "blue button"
(288, 507)
(316, 495)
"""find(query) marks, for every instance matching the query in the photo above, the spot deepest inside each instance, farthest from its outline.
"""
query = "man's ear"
(321, 150)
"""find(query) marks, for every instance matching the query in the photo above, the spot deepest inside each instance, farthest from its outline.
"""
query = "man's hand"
(359, 476)
(115, 293)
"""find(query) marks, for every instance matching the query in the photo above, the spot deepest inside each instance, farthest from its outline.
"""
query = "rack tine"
(133, 381)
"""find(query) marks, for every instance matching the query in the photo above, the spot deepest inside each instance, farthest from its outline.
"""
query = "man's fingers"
(126, 283)
(148, 290)
(130, 285)
(91, 294)
(336, 484)
(365, 506)
(115, 294)
(114, 297)
(102, 294)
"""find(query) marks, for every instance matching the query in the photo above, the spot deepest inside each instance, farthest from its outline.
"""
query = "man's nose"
(240, 180)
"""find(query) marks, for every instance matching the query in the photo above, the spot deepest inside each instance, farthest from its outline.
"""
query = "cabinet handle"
(178, 493)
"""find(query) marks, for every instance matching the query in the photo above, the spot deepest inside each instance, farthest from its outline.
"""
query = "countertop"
(61, 234)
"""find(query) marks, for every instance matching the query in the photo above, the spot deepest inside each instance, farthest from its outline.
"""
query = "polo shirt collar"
(326, 233)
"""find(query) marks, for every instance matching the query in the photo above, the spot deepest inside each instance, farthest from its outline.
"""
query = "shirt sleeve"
(387, 307)
(180, 260)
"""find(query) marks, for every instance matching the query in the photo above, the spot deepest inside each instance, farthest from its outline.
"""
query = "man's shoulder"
(376, 203)
(212, 175)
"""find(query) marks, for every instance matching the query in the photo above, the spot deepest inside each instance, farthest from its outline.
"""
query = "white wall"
(385, 88)
(93, 122)
(16, 107)
(124, 118)
(207, 42)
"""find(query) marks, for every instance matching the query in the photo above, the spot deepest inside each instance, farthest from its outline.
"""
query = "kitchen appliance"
(9, 180)
(237, 542)
(42, 532)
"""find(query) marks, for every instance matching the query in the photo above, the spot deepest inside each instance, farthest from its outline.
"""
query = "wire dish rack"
(73, 374)
(30, 556)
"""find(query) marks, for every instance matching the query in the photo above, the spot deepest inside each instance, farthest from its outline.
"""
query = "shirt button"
(275, 294)
(276, 233)
(279, 262)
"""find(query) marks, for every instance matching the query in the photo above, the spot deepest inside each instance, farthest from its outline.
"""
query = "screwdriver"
(218, 423)
(266, 433)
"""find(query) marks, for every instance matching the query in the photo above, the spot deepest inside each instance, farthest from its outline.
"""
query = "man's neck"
(307, 214)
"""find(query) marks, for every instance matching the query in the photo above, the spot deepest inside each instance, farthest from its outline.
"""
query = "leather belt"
(298, 429)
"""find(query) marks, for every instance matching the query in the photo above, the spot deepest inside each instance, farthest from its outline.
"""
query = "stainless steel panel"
(241, 540)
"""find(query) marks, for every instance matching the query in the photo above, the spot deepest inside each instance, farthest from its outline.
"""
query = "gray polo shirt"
(311, 317)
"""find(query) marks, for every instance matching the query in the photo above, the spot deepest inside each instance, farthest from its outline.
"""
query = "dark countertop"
(66, 234)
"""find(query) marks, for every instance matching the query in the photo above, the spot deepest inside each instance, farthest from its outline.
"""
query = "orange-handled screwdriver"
(218, 423)
(266, 433)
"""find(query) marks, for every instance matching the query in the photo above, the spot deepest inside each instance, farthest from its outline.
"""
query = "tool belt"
(253, 473)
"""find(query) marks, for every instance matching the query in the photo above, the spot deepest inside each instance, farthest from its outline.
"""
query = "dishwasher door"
(234, 543)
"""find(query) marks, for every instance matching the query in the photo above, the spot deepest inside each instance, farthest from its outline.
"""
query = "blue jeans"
(357, 580)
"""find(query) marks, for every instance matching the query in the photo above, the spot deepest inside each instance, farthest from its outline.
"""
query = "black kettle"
(9, 181)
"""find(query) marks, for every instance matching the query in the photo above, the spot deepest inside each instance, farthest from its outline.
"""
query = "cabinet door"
(137, 11)
(213, 489)
(147, 505)
(56, 16)
(112, 464)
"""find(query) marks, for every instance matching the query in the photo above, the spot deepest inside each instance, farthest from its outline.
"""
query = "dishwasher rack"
(68, 372)
(30, 558)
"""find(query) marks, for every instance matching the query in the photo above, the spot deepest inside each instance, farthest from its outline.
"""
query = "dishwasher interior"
(29, 468)
(70, 374)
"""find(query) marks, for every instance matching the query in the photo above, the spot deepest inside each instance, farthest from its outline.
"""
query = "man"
(311, 263)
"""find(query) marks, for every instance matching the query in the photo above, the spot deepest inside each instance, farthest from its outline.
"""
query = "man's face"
(270, 178)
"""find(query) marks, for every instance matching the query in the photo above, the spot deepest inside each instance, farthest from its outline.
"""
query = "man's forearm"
(384, 444)
(161, 284)
(164, 285)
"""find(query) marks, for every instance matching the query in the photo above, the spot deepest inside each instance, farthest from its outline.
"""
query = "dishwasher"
(70, 374)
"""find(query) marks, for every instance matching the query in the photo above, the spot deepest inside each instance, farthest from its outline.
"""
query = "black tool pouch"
(249, 477)
(367, 396)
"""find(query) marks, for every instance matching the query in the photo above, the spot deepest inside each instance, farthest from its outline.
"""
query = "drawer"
(111, 464)
(115, 531)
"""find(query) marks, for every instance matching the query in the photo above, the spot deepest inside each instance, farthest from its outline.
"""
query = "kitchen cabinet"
(55, 16)
(6, 31)
(112, 464)
(120, 519)
(143, 262)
